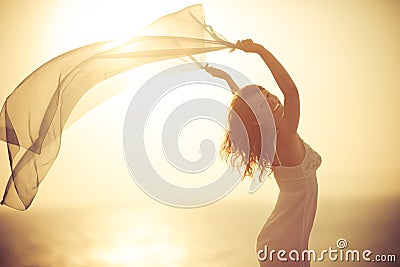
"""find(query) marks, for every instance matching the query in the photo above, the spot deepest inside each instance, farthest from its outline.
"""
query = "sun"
(94, 21)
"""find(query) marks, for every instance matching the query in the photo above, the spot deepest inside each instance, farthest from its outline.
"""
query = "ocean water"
(222, 234)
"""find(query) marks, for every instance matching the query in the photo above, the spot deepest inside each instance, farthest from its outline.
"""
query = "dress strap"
(277, 157)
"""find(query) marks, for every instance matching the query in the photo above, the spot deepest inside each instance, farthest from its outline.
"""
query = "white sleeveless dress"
(289, 225)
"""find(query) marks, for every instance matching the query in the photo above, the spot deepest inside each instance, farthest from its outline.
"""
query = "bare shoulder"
(290, 149)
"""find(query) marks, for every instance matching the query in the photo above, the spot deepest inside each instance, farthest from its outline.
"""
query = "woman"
(294, 164)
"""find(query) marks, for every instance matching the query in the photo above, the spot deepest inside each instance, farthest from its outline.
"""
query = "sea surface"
(221, 235)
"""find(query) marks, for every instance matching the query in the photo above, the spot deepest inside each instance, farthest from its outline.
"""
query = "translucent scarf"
(35, 113)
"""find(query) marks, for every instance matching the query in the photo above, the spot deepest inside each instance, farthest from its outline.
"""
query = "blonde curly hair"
(243, 149)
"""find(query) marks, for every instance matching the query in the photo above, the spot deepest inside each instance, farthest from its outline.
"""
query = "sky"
(342, 55)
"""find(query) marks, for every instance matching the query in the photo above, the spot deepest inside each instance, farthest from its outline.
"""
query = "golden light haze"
(343, 56)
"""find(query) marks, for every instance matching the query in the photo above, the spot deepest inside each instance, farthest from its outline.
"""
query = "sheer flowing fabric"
(35, 113)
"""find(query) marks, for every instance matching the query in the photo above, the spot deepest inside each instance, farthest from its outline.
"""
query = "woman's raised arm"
(284, 81)
(223, 75)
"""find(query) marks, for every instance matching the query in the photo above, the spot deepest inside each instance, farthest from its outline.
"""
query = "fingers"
(244, 42)
(245, 45)
(208, 68)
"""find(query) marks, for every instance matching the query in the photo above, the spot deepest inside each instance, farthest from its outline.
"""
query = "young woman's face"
(275, 105)
(272, 101)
